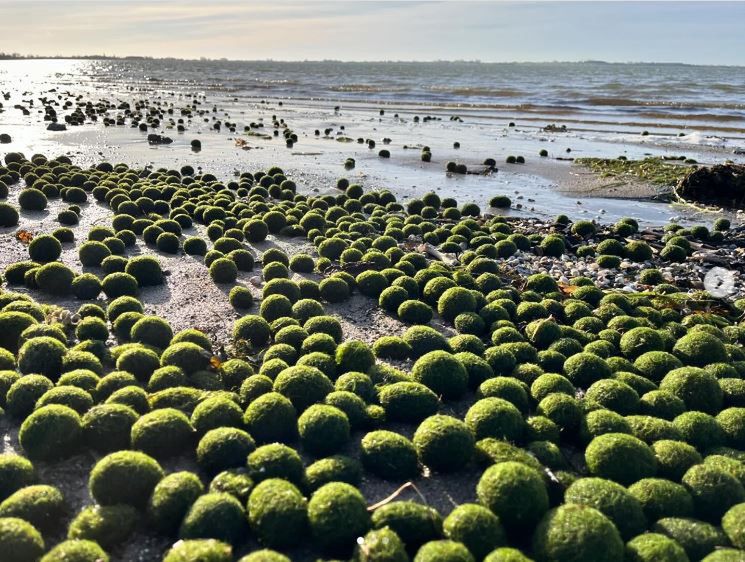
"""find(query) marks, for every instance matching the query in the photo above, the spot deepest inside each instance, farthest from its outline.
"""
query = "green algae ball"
(654, 547)
(583, 369)
(337, 468)
(413, 522)
(389, 455)
(264, 555)
(713, 491)
(16, 472)
(444, 443)
(303, 385)
(733, 524)
(337, 514)
(214, 516)
(441, 372)
(698, 388)
(674, 458)
(127, 477)
(108, 525)
(610, 499)
(107, 427)
(76, 550)
(661, 498)
(408, 401)
(354, 355)
(171, 500)
(515, 492)
(380, 545)
(507, 554)
(50, 433)
(476, 527)
(323, 429)
(253, 329)
(699, 349)
(656, 364)
(578, 533)
(455, 301)
(443, 551)
(222, 448)
(162, 433)
(495, 417)
(41, 355)
(696, 537)
(41, 505)
(620, 457)
(639, 341)
(277, 513)
(275, 461)
(19, 540)
(271, 417)
(199, 550)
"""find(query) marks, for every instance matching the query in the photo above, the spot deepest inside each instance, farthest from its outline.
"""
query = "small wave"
(481, 91)
(357, 88)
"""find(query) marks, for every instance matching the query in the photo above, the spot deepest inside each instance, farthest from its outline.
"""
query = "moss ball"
(41, 505)
(733, 524)
(303, 385)
(732, 423)
(235, 481)
(107, 427)
(699, 349)
(337, 468)
(639, 341)
(216, 516)
(583, 369)
(86, 286)
(479, 529)
(271, 417)
(127, 477)
(264, 555)
(413, 522)
(199, 550)
(443, 551)
(222, 448)
(50, 433)
(146, 270)
(389, 455)
(19, 540)
(408, 401)
(107, 526)
(54, 278)
(612, 500)
(696, 537)
(442, 372)
(76, 550)
(371, 283)
(42, 355)
(337, 514)
(119, 284)
(223, 270)
(323, 429)
(16, 472)
(414, 312)
(44, 248)
(620, 457)
(277, 513)
(139, 361)
(454, 301)
(443, 443)
(383, 545)
(162, 433)
(24, 393)
(698, 388)
(253, 329)
(515, 493)
(654, 547)
(713, 490)
(613, 395)
(92, 253)
(8, 215)
(171, 500)
(656, 364)
(661, 498)
(564, 410)
(275, 461)
(354, 355)
(578, 533)
(495, 417)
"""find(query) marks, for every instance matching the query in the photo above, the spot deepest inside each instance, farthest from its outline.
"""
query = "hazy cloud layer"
(695, 32)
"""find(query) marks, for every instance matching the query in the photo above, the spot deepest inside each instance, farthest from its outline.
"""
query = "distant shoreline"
(15, 56)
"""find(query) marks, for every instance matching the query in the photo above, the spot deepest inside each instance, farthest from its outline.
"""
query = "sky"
(703, 32)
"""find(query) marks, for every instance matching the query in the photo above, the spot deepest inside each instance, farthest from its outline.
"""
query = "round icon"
(719, 282)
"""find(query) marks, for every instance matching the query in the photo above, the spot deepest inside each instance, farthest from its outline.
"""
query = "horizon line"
(18, 56)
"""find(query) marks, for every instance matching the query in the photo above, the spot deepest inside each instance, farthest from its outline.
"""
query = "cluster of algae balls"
(591, 425)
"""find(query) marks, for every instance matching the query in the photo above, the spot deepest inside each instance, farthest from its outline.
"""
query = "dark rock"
(5, 138)
(56, 127)
(723, 184)
(153, 138)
